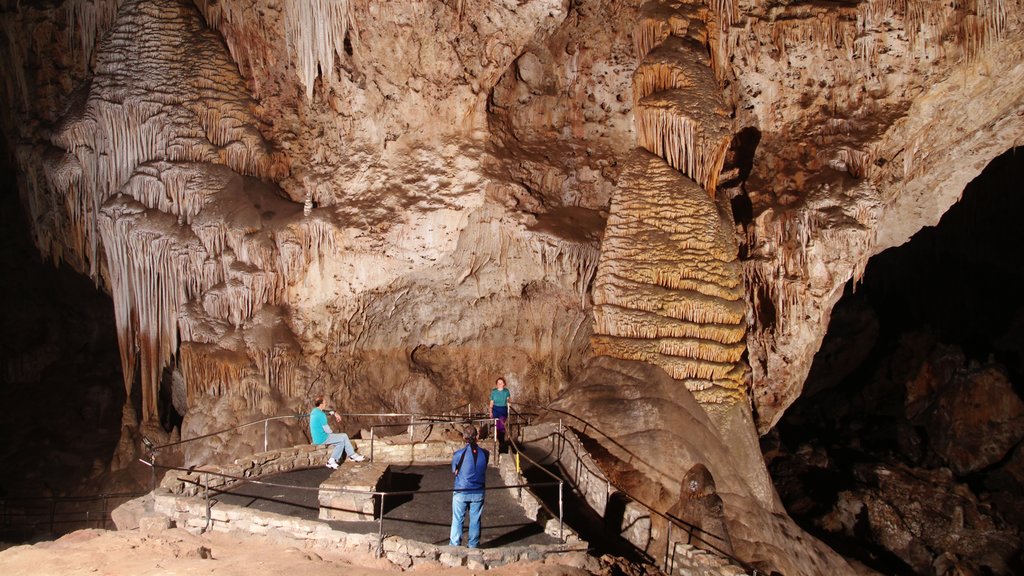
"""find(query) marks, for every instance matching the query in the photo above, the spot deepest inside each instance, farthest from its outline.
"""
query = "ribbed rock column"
(669, 288)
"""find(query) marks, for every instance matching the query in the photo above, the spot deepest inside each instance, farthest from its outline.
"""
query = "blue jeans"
(341, 444)
(476, 509)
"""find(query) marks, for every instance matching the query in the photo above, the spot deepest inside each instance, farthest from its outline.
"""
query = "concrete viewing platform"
(398, 506)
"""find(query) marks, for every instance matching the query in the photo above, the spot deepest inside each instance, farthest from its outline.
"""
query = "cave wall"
(394, 202)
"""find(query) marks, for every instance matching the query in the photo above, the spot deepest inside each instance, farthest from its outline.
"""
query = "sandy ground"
(175, 551)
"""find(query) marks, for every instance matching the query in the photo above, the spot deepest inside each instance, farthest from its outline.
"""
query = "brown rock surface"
(176, 551)
(392, 202)
(926, 518)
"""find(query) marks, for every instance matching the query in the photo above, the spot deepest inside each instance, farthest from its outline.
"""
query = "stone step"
(337, 503)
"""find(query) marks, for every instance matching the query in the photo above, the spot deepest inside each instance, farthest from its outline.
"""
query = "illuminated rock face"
(669, 288)
(394, 202)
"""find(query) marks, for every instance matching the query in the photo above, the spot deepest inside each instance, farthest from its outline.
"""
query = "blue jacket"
(470, 470)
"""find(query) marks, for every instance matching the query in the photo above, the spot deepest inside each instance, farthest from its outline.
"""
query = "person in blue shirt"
(320, 432)
(470, 467)
(499, 406)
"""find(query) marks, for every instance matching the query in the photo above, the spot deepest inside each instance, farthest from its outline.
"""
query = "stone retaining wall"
(637, 526)
(179, 498)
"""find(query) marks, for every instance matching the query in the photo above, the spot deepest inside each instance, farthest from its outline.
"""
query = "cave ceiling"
(394, 201)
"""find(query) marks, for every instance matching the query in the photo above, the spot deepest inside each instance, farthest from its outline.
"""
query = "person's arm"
(490, 403)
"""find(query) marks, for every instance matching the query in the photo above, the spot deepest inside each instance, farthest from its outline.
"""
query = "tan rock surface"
(176, 551)
(393, 202)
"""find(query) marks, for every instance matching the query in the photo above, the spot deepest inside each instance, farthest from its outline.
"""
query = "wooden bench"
(349, 506)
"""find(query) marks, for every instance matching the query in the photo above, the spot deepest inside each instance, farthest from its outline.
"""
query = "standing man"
(499, 406)
(321, 433)
(470, 467)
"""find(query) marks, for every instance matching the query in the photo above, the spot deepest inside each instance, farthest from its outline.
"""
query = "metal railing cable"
(447, 416)
(31, 512)
(670, 520)
(381, 494)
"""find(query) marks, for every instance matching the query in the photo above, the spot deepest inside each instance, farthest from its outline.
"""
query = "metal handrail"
(382, 494)
(670, 519)
(9, 515)
(588, 426)
(264, 421)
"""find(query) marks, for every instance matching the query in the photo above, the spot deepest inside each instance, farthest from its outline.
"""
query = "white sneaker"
(332, 464)
(357, 458)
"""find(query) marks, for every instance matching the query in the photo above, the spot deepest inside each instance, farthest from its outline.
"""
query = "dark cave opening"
(60, 378)
(905, 450)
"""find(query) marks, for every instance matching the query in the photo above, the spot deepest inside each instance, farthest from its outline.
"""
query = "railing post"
(206, 495)
(373, 434)
(412, 418)
(380, 528)
(561, 512)
(266, 425)
(668, 545)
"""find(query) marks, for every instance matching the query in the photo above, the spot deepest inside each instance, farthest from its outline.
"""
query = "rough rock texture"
(926, 518)
(880, 470)
(645, 428)
(971, 414)
(392, 202)
(869, 119)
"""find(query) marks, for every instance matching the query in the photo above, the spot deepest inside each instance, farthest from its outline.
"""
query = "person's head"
(500, 383)
(318, 401)
(469, 434)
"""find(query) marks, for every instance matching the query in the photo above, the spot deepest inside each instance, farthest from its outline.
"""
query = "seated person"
(321, 433)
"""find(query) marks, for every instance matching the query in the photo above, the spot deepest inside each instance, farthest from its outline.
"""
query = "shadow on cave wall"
(905, 450)
(61, 388)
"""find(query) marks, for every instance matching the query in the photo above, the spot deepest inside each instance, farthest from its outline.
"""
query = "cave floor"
(424, 516)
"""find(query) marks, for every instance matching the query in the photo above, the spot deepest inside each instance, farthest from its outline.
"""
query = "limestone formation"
(668, 286)
(701, 508)
(392, 202)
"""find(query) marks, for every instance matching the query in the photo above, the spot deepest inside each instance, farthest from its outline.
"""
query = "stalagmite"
(669, 288)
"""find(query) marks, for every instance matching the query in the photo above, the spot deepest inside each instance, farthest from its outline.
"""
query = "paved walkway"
(424, 517)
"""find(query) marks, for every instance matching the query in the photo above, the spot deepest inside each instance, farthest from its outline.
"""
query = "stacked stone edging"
(180, 498)
(637, 526)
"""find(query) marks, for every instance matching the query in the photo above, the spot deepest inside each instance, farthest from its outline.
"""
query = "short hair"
(318, 400)
(469, 433)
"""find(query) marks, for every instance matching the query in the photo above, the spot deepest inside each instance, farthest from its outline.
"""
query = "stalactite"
(777, 272)
(316, 31)
(211, 370)
(580, 258)
(691, 138)
(13, 59)
(857, 162)
(90, 19)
